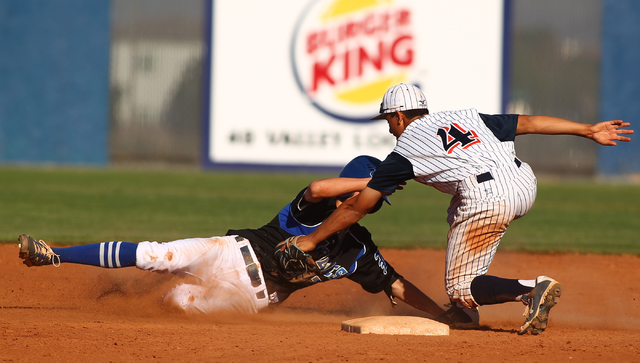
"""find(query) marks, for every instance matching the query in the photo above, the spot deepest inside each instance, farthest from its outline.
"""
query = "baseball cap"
(402, 97)
(362, 166)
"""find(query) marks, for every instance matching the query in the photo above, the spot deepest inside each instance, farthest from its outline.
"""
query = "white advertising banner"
(295, 83)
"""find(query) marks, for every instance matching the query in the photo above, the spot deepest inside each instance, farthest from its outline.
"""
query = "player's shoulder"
(443, 118)
(503, 126)
(468, 112)
(499, 117)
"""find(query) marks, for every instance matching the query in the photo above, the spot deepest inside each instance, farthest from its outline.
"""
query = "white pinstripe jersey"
(447, 147)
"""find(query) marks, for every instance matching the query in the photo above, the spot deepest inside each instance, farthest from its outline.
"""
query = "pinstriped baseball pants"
(478, 216)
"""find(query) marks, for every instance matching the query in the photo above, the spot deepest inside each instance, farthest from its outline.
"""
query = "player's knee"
(185, 297)
(218, 297)
(461, 293)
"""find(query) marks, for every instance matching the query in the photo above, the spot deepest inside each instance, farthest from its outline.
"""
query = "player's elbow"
(317, 190)
(357, 207)
(364, 201)
(525, 125)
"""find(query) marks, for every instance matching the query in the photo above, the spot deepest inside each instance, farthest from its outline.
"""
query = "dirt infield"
(80, 313)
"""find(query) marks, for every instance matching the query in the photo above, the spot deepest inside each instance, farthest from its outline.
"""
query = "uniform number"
(454, 136)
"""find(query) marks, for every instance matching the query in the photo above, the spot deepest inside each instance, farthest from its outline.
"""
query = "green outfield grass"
(77, 206)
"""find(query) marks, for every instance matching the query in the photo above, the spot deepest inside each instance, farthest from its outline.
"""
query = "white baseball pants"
(219, 269)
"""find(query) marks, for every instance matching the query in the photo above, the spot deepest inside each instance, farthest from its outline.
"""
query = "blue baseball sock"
(112, 254)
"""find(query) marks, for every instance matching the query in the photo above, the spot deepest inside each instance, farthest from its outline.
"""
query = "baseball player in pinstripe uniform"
(472, 157)
(237, 272)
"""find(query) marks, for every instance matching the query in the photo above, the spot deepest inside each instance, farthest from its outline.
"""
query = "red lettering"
(312, 43)
(369, 25)
(402, 48)
(339, 34)
(325, 39)
(359, 46)
(363, 57)
(385, 22)
(352, 30)
(347, 65)
(321, 73)
(404, 17)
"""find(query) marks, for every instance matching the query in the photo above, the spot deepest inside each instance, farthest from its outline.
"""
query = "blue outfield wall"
(54, 81)
(620, 83)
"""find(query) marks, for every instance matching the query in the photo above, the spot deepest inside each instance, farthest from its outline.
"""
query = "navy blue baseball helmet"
(362, 166)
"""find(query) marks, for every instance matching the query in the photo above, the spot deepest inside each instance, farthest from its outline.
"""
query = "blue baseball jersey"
(351, 252)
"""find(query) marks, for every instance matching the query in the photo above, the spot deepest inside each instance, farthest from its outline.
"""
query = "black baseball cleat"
(36, 253)
(460, 318)
(539, 301)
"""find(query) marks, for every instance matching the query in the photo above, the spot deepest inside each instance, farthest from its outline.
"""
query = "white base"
(395, 325)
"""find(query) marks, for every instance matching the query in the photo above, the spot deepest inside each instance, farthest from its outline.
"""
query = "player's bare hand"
(303, 244)
(608, 132)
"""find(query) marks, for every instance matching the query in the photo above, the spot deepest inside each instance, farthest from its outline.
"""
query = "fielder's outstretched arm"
(410, 294)
(349, 212)
(604, 133)
(333, 187)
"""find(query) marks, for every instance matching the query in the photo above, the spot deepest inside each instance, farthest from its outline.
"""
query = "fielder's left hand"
(292, 260)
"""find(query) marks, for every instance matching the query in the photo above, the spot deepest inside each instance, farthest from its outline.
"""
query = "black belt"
(481, 178)
(252, 268)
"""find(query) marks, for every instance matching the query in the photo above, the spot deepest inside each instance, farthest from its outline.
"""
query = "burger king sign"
(345, 54)
(295, 83)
